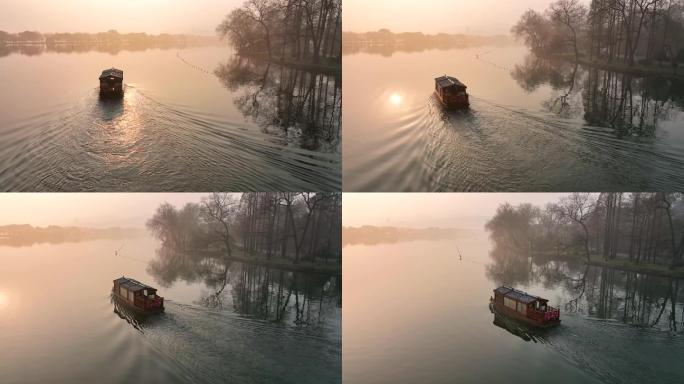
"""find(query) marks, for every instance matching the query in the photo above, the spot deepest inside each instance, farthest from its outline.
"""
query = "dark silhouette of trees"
(636, 227)
(296, 226)
(291, 226)
(572, 15)
(299, 31)
(610, 31)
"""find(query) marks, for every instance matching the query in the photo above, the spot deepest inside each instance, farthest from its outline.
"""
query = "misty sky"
(86, 209)
(420, 210)
(150, 16)
(434, 16)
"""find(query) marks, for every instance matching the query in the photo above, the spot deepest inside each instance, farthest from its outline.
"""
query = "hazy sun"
(396, 99)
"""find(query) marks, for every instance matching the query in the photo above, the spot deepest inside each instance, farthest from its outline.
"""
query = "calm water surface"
(431, 321)
(191, 119)
(532, 125)
(223, 323)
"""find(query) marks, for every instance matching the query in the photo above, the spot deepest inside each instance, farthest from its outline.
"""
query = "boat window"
(522, 308)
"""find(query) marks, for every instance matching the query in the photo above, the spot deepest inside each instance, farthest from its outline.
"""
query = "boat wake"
(138, 143)
(221, 346)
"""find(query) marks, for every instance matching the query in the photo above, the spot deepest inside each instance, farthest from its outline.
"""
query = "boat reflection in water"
(134, 318)
(513, 327)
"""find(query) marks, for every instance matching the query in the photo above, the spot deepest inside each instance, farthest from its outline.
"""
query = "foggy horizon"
(126, 16)
(483, 17)
(420, 210)
(93, 210)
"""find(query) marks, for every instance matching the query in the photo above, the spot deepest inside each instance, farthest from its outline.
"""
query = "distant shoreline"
(26, 235)
(374, 235)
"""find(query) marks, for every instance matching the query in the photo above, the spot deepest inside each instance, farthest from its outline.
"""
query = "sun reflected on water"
(396, 99)
(4, 300)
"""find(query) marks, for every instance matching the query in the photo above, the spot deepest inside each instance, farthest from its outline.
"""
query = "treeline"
(24, 234)
(300, 31)
(292, 226)
(639, 227)
(111, 37)
(611, 31)
(416, 40)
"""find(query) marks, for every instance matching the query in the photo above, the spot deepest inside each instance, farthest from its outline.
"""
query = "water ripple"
(139, 144)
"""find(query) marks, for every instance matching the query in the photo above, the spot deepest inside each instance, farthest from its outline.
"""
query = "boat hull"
(129, 306)
(109, 93)
(454, 102)
(514, 315)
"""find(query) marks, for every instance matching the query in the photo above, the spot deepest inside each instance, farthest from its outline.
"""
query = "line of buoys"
(479, 56)
(196, 67)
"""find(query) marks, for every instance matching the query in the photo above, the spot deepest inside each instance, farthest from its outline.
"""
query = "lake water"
(194, 119)
(415, 313)
(532, 125)
(223, 323)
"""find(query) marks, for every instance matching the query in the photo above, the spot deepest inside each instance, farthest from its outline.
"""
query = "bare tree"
(220, 208)
(577, 209)
(572, 14)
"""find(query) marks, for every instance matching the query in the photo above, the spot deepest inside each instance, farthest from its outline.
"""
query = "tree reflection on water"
(301, 299)
(629, 104)
(632, 298)
(301, 107)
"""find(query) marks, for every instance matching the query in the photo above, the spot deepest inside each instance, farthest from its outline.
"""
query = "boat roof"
(517, 295)
(448, 81)
(132, 284)
(112, 72)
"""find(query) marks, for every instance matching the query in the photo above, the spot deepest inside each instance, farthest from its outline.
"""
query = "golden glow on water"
(130, 125)
(396, 99)
(4, 300)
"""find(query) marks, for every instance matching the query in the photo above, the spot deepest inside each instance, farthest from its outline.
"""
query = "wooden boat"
(451, 92)
(519, 305)
(111, 82)
(137, 296)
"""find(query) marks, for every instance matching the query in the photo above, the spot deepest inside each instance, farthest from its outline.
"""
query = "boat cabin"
(523, 306)
(451, 92)
(137, 295)
(111, 82)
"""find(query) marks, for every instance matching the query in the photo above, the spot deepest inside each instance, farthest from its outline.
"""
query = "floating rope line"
(479, 56)
(193, 66)
(117, 253)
